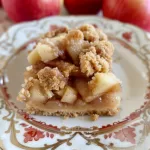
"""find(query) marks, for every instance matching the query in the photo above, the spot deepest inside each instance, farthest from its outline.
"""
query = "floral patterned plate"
(128, 130)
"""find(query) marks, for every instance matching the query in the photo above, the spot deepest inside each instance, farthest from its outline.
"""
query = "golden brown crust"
(105, 112)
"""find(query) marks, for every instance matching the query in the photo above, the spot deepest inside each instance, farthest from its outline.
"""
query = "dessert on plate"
(70, 74)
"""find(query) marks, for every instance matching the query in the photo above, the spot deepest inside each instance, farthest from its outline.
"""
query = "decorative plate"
(129, 130)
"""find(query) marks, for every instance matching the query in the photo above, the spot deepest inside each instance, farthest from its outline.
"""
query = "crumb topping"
(61, 56)
(104, 48)
(89, 33)
(37, 67)
(66, 68)
(24, 93)
(51, 78)
(94, 117)
(91, 62)
(55, 32)
(92, 34)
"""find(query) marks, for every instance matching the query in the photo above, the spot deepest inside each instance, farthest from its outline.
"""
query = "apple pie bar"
(70, 74)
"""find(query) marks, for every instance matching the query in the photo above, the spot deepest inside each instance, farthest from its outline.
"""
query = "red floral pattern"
(126, 134)
(137, 124)
(49, 135)
(127, 35)
(108, 136)
(42, 124)
(23, 124)
(135, 115)
(32, 134)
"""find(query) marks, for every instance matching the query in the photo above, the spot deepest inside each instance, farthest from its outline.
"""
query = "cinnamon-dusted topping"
(90, 62)
(51, 78)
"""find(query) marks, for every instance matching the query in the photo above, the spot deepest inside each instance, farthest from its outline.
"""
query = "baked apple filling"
(70, 74)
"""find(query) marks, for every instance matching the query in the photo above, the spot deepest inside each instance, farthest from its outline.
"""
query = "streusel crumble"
(70, 74)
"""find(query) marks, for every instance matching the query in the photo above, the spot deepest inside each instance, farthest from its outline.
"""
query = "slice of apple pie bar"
(70, 74)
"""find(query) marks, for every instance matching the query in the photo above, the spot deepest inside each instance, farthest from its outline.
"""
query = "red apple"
(132, 11)
(0, 3)
(25, 10)
(83, 6)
